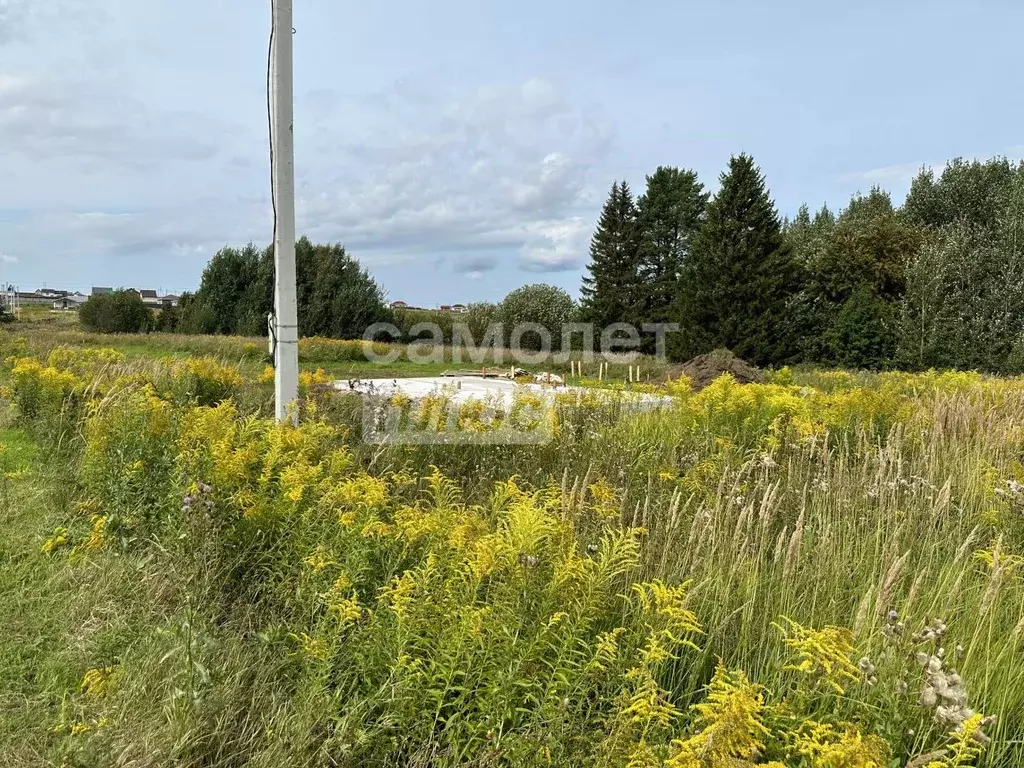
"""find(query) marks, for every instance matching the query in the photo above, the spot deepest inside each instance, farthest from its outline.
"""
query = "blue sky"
(460, 149)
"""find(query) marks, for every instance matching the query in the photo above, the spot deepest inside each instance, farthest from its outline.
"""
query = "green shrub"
(122, 311)
(546, 305)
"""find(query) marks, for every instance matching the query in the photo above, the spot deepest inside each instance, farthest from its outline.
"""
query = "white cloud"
(904, 173)
(6, 259)
(198, 228)
(478, 179)
(21, 20)
(901, 173)
(47, 119)
(555, 246)
(503, 167)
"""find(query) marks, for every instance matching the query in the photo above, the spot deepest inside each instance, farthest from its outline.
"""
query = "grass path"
(35, 668)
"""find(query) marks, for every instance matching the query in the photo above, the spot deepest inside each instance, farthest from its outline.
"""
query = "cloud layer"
(475, 179)
(500, 169)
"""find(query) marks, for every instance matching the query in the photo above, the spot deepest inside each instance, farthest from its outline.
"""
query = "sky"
(462, 148)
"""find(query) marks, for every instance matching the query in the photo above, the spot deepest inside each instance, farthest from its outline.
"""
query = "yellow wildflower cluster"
(666, 612)
(399, 594)
(203, 380)
(772, 414)
(649, 705)
(41, 389)
(56, 541)
(1000, 562)
(604, 500)
(308, 379)
(729, 724)
(823, 654)
(83, 360)
(362, 491)
(839, 746)
(97, 533)
(262, 469)
(315, 648)
(99, 681)
(320, 349)
(319, 560)
(966, 745)
(125, 438)
(342, 601)
(606, 649)
(376, 529)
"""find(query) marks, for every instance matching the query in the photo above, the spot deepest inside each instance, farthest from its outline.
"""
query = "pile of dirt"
(703, 369)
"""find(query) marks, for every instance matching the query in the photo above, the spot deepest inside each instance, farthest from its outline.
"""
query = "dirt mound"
(704, 369)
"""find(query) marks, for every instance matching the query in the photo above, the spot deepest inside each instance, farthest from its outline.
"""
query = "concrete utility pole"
(286, 328)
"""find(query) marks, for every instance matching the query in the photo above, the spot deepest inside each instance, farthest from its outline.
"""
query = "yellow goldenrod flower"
(824, 654)
(99, 681)
(842, 746)
(730, 722)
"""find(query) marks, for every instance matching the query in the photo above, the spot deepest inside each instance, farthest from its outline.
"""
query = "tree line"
(936, 282)
(336, 298)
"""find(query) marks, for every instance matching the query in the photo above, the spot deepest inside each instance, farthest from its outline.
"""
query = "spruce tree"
(738, 282)
(669, 214)
(609, 291)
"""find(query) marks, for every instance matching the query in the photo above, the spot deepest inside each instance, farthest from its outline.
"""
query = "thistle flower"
(868, 670)
(943, 689)
(933, 631)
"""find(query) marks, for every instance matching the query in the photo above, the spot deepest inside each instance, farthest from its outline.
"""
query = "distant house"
(52, 292)
(446, 308)
(100, 290)
(150, 298)
(399, 305)
(170, 300)
(460, 308)
(70, 301)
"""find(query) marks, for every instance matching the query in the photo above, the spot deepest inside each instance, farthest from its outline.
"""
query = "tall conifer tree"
(610, 287)
(739, 279)
(669, 214)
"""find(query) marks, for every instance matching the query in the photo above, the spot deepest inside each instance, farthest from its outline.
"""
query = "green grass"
(35, 663)
(251, 354)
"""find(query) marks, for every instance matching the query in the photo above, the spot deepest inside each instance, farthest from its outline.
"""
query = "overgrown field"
(824, 570)
(338, 357)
